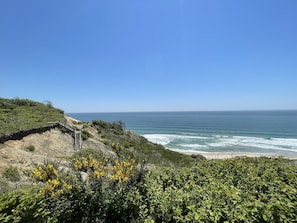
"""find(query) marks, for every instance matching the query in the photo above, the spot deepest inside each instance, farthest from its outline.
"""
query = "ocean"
(264, 132)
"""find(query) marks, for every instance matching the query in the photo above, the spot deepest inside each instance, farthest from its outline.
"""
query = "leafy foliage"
(234, 190)
(103, 127)
(116, 170)
(55, 183)
(24, 206)
(179, 188)
(45, 172)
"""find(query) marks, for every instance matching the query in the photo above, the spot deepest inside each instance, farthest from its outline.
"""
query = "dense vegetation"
(20, 114)
(142, 182)
(128, 144)
(117, 190)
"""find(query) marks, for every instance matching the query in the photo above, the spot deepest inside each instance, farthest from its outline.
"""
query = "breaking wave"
(222, 143)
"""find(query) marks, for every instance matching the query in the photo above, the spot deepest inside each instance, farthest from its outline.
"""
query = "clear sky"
(150, 55)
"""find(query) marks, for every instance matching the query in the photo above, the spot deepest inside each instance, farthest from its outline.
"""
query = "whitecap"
(222, 141)
(194, 146)
(159, 138)
(263, 143)
(165, 139)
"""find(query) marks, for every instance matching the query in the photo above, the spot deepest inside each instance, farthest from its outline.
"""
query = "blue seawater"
(267, 132)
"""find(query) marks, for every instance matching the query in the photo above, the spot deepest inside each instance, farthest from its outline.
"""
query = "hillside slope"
(20, 114)
(110, 139)
(50, 145)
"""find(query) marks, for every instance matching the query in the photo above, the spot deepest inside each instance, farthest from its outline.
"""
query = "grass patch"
(86, 152)
(12, 174)
(21, 114)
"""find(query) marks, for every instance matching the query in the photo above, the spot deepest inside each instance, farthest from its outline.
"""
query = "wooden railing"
(76, 134)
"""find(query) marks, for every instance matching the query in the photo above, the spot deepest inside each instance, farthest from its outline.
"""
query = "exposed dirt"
(50, 145)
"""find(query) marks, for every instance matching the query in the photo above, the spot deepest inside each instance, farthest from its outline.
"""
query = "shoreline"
(229, 155)
(214, 155)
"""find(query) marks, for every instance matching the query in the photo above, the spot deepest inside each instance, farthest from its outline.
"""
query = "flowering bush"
(234, 190)
(117, 170)
(45, 172)
(55, 183)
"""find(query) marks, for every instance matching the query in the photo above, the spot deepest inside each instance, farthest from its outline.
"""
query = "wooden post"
(77, 140)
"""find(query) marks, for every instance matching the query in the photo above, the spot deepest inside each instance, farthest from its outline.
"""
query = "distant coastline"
(215, 133)
(228, 155)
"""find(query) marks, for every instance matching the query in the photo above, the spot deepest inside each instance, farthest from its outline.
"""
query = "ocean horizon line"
(187, 111)
(264, 131)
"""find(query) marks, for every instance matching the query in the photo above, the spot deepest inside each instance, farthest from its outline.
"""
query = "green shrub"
(24, 206)
(198, 157)
(233, 190)
(115, 128)
(30, 148)
(85, 134)
(12, 174)
(86, 152)
(4, 186)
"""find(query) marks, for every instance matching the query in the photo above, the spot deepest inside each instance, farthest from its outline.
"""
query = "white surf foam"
(165, 139)
(159, 138)
(190, 142)
(194, 146)
(263, 143)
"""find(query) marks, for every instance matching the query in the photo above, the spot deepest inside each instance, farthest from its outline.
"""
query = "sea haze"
(267, 132)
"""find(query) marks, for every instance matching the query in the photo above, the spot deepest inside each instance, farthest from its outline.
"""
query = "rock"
(84, 176)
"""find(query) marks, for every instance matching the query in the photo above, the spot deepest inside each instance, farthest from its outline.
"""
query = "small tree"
(49, 104)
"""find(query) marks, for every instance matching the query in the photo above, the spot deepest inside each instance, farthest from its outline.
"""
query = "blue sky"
(154, 55)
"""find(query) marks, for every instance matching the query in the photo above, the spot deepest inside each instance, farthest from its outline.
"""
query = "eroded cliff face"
(57, 145)
(53, 144)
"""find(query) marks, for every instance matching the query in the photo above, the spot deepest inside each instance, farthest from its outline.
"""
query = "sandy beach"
(228, 155)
